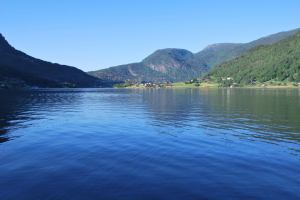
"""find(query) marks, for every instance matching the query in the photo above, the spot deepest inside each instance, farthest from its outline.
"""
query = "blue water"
(150, 144)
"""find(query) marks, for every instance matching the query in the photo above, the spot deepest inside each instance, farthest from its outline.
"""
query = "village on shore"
(200, 83)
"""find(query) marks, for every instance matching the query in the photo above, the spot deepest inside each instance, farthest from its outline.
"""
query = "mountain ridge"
(18, 68)
(164, 65)
(168, 65)
(278, 62)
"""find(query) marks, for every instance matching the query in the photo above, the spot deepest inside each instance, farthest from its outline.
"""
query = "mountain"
(216, 54)
(20, 69)
(276, 62)
(176, 65)
(162, 66)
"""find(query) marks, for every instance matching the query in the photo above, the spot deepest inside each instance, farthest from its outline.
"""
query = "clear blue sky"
(94, 34)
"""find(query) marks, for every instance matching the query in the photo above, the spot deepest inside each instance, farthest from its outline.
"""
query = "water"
(150, 144)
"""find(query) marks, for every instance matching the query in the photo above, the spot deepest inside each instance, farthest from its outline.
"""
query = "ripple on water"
(150, 144)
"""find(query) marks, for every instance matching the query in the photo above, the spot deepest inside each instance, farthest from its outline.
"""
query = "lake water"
(150, 144)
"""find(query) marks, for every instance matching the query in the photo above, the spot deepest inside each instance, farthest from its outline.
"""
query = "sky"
(95, 34)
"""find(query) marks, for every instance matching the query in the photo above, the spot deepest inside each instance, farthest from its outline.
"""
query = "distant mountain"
(216, 54)
(17, 68)
(180, 65)
(276, 62)
(161, 66)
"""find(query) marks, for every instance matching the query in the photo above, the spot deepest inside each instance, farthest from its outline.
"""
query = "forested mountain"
(20, 69)
(216, 54)
(161, 66)
(165, 65)
(275, 62)
(176, 65)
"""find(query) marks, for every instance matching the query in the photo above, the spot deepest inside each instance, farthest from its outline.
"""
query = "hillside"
(175, 65)
(165, 65)
(216, 54)
(276, 62)
(20, 69)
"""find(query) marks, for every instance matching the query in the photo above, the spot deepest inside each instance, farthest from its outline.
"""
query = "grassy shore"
(194, 85)
(174, 85)
(216, 85)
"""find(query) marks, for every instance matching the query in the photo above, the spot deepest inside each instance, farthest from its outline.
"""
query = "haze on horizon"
(92, 34)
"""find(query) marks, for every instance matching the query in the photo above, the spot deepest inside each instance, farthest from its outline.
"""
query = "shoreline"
(213, 86)
(256, 87)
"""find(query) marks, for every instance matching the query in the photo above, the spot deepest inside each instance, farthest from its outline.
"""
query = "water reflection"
(19, 108)
(12, 105)
(150, 144)
(266, 114)
(169, 106)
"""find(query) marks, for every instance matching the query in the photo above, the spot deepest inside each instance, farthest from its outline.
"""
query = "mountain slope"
(276, 62)
(19, 68)
(176, 65)
(216, 54)
(162, 66)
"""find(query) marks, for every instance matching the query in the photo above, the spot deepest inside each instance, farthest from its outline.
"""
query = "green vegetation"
(19, 70)
(124, 85)
(177, 65)
(190, 84)
(166, 65)
(276, 64)
(217, 54)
